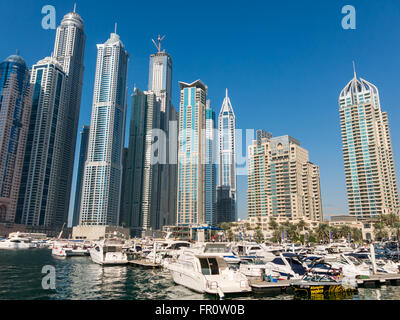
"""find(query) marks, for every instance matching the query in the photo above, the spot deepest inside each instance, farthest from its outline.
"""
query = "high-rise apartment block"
(282, 183)
(100, 203)
(367, 150)
(15, 107)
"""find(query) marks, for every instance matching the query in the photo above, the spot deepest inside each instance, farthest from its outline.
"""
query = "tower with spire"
(227, 152)
(101, 188)
(367, 150)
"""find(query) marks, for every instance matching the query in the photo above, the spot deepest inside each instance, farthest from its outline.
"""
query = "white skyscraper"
(103, 170)
(227, 151)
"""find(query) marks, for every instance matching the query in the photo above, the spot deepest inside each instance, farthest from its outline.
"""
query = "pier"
(378, 280)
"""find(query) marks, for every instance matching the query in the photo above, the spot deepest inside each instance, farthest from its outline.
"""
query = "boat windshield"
(209, 266)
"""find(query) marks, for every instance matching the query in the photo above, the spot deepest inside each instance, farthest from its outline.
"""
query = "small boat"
(323, 285)
(17, 242)
(109, 252)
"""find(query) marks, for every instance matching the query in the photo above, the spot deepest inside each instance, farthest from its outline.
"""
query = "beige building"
(282, 183)
(365, 225)
(367, 150)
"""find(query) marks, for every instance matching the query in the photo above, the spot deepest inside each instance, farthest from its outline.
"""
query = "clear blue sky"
(284, 62)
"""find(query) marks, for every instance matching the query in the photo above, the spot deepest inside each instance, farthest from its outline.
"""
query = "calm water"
(80, 279)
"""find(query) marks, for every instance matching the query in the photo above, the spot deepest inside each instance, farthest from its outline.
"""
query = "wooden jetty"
(145, 263)
(379, 279)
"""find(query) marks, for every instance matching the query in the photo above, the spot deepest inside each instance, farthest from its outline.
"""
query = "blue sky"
(284, 63)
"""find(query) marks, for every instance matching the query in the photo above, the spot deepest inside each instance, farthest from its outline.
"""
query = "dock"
(379, 280)
(259, 286)
(144, 263)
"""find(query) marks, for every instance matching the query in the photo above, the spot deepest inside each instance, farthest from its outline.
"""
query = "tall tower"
(210, 167)
(367, 150)
(103, 169)
(81, 171)
(43, 183)
(141, 197)
(190, 197)
(227, 151)
(15, 107)
(69, 51)
(160, 83)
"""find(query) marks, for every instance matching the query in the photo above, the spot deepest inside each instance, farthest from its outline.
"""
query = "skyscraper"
(367, 150)
(103, 169)
(282, 183)
(210, 167)
(191, 170)
(227, 152)
(15, 107)
(81, 171)
(69, 51)
(43, 183)
(160, 83)
(142, 194)
(45, 196)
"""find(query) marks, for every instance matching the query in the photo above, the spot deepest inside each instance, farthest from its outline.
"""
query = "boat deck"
(144, 263)
(259, 286)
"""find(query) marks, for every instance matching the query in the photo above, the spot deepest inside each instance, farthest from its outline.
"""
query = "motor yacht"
(17, 242)
(207, 273)
(109, 252)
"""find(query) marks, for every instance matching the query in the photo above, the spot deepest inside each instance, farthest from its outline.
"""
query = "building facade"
(81, 171)
(142, 194)
(191, 170)
(227, 156)
(210, 166)
(367, 150)
(100, 203)
(69, 51)
(282, 183)
(15, 107)
(42, 183)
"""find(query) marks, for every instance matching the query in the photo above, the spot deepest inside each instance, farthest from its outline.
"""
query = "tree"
(323, 232)
(273, 225)
(259, 236)
(380, 231)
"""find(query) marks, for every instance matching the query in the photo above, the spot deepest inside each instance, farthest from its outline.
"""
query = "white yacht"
(17, 242)
(207, 273)
(109, 252)
(68, 249)
(220, 249)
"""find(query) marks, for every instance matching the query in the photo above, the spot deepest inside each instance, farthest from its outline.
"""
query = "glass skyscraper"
(191, 149)
(227, 152)
(81, 171)
(43, 181)
(367, 150)
(210, 166)
(100, 203)
(15, 106)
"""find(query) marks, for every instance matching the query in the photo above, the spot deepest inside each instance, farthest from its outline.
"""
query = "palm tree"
(322, 232)
(273, 225)
(380, 231)
(259, 236)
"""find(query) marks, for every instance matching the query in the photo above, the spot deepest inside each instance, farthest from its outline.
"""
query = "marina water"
(80, 279)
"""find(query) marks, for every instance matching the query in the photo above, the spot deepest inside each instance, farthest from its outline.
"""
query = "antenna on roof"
(159, 43)
(116, 25)
(354, 69)
(17, 52)
(74, 7)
